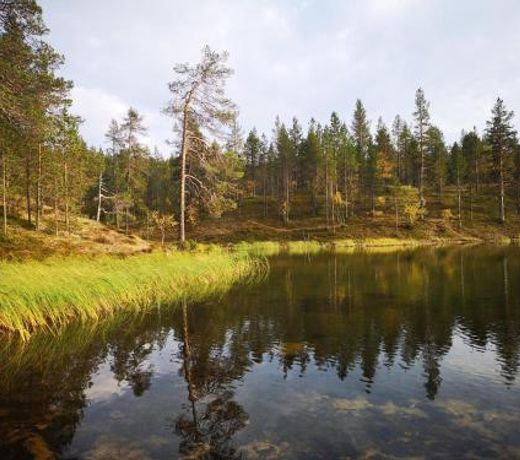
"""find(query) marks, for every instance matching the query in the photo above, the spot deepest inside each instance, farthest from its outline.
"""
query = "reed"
(51, 293)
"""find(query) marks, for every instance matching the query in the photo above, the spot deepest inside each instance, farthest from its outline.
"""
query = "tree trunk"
(265, 191)
(421, 171)
(182, 197)
(287, 192)
(39, 189)
(66, 195)
(399, 164)
(56, 221)
(396, 204)
(518, 194)
(332, 208)
(28, 188)
(459, 201)
(100, 195)
(116, 211)
(372, 197)
(502, 192)
(4, 193)
(327, 198)
(477, 175)
(352, 201)
(345, 189)
(470, 203)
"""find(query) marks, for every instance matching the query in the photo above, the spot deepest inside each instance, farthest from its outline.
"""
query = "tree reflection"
(207, 431)
(365, 310)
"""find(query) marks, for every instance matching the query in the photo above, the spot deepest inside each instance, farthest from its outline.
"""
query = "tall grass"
(49, 294)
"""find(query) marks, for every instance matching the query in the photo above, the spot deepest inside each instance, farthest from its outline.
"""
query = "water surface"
(398, 355)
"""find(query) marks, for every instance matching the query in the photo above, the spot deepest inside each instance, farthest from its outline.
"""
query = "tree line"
(342, 168)
(346, 169)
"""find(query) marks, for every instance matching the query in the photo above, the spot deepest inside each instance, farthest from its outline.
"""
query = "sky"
(303, 58)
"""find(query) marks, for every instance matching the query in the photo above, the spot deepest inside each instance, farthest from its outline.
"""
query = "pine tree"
(362, 139)
(501, 137)
(397, 133)
(422, 123)
(133, 157)
(458, 170)
(437, 155)
(311, 151)
(198, 96)
(252, 148)
(284, 148)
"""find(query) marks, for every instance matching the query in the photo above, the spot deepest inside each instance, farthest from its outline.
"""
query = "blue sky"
(305, 58)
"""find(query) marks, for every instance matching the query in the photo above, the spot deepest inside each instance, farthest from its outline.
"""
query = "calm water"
(406, 354)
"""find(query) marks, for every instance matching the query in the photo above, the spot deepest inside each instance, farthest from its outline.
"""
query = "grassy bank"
(344, 246)
(49, 294)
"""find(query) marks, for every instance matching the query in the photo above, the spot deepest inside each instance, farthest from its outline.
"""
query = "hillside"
(86, 237)
(249, 223)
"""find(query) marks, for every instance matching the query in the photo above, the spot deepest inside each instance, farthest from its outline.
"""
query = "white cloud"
(304, 58)
(390, 6)
(96, 107)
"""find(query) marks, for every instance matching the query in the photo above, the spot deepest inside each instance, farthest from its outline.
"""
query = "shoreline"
(53, 292)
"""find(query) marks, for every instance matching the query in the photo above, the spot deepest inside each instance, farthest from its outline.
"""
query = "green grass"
(51, 293)
(305, 247)
(390, 242)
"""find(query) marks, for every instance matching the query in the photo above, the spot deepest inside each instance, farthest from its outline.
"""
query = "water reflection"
(419, 342)
(207, 431)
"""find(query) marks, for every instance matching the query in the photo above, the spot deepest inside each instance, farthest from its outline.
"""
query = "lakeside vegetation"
(51, 293)
(57, 290)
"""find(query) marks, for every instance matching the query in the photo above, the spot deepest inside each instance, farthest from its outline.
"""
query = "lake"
(405, 354)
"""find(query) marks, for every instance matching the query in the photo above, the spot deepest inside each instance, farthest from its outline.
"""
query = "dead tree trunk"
(100, 197)
(28, 188)
(182, 196)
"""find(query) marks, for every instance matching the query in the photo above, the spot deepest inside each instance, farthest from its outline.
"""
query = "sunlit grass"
(372, 242)
(344, 246)
(305, 247)
(51, 293)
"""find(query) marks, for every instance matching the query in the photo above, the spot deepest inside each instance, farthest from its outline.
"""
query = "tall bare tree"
(199, 101)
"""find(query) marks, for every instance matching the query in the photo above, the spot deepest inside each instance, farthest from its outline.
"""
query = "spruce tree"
(422, 123)
(501, 137)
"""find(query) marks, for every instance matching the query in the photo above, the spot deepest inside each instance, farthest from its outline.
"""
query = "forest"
(319, 173)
